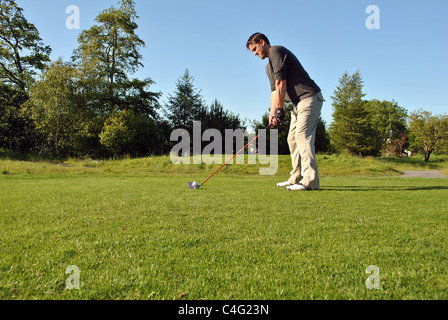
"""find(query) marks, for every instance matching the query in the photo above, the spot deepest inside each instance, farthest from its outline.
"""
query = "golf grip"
(236, 155)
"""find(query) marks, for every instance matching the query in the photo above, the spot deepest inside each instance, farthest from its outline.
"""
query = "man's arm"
(277, 100)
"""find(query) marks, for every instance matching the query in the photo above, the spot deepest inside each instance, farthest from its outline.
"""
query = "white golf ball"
(195, 184)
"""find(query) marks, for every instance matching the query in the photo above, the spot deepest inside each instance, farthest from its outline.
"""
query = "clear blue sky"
(405, 60)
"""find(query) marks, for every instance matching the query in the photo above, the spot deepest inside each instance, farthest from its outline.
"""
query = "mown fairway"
(239, 237)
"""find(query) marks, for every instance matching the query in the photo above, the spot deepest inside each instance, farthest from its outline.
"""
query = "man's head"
(259, 44)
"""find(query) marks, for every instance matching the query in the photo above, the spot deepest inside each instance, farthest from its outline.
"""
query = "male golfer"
(290, 80)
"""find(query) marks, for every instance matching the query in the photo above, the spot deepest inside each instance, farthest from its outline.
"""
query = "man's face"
(260, 49)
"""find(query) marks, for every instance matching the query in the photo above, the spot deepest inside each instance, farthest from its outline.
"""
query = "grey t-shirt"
(284, 65)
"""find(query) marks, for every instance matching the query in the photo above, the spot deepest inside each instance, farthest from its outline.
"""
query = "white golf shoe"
(284, 184)
(296, 187)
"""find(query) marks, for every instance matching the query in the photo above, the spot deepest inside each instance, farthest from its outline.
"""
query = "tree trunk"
(427, 155)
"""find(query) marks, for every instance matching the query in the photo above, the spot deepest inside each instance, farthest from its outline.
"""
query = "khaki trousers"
(301, 139)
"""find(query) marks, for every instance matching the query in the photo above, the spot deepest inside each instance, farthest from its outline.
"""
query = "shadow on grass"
(382, 188)
(416, 161)
(30, 157)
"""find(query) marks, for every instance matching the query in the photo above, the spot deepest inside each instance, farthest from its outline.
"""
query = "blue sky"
(405, 60)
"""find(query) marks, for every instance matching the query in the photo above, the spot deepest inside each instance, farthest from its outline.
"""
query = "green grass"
(135, 231)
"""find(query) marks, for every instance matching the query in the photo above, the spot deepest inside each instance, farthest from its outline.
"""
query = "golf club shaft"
(236, 155)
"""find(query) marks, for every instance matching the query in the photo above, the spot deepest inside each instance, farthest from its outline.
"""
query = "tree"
(350, 129)
(216, 117)
(185, 105)
(17, 129)
(22, 55)
(22, 52)
(322, 139)
(150, 137)
(135, 95)
(389, 121)
(428, 132)
(117, 133)
(107, 55)
(56, 107)
(442, 129)
(125, 132)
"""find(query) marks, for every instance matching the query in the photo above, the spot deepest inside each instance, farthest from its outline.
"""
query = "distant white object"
(408, 153)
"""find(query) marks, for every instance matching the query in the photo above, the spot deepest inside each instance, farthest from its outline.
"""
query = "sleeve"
(270, 76)
(277, 58)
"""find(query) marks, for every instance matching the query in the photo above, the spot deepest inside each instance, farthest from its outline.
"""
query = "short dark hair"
(255, 38)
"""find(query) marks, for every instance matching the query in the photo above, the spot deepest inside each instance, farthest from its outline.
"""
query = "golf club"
(194, 185)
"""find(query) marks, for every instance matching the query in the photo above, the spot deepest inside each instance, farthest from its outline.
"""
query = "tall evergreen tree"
(185, 105)
(322, 139)
(216, 117)
(350, 129)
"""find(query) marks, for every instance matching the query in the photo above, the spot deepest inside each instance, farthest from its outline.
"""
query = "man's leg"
(308, 113)
(296, 173)
(304, 130)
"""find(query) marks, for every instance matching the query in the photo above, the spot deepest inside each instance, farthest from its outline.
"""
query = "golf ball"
(195, 184)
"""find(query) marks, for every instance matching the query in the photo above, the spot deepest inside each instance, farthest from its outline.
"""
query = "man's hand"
(280, 114)
(277, 117)
(277, 101)
(272, 120)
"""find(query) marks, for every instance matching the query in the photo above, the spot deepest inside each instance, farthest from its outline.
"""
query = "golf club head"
(193, 185)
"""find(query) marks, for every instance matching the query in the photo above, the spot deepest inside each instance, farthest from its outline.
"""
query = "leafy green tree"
(17, 129)
(149, 138)
(389, 121)
(185, 105)
(351, 129)
(117, 133)
(125, 132)
(22, 51)
(429, 132)
(135, 95)
(322, 139)
(22, 56)
(442, 129)
(86, 140)
(107, 55)
(56, 107)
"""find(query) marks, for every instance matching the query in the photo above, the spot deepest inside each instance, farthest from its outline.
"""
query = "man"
(289, 79)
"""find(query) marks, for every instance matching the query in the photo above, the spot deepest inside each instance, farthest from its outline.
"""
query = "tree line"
(92, 106)
(382, 127)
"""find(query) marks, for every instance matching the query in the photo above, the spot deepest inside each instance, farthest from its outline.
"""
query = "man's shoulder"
(278, 50)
